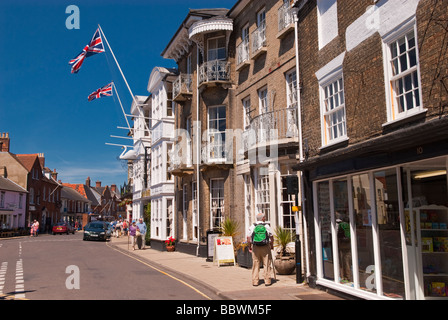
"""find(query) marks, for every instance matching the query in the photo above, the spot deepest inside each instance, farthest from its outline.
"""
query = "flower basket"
(170, 244)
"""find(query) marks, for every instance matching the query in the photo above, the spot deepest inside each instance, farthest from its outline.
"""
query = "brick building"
(351, 97)
(373, 79)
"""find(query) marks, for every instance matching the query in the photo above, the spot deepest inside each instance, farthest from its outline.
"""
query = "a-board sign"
(223, 252)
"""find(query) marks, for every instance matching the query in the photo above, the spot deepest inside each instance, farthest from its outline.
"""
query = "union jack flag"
(104, 91)
(95, 46)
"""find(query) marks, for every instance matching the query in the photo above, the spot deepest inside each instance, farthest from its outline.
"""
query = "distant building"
(12, 203)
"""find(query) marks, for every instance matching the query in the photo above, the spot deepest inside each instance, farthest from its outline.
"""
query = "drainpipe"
(295, 12)
(198, 147)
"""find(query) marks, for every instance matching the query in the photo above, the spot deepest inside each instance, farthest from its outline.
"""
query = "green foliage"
(282, 237)
(229, 227)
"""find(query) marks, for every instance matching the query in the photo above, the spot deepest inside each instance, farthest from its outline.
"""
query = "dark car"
(63, 227)
(97, 230)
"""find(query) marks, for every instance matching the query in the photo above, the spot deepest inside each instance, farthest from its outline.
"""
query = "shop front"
(380, 222)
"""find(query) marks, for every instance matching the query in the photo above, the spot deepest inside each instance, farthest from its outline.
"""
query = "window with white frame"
(263, 194)
(263, 100)
(216, 132)
(194, 202)
(403, 74)
(334, 124)
(246, 112)
(291, 100)
(184, 211)
(291, 89)
(216, 202)
(216, 49)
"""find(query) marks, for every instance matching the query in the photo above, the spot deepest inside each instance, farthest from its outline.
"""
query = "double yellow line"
(162, 272)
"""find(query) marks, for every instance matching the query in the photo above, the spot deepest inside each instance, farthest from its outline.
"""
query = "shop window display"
(388, 216)
(362, 207)
(429, 206)
(340, 198)
(323, 203)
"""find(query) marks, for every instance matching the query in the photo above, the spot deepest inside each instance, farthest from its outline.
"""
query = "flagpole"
(122, 109)
(124, 78)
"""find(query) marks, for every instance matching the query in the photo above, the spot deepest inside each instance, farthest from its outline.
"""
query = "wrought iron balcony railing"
(214, 71)
(182, 86)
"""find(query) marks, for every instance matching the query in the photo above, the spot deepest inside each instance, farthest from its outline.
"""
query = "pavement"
(228, 282)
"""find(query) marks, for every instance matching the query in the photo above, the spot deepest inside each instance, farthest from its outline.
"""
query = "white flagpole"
(124, 78)
(122, 109)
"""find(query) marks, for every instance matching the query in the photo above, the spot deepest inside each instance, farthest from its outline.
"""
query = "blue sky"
(45, 108)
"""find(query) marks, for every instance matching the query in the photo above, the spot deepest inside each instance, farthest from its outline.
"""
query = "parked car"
(63, 227)
(97, 230)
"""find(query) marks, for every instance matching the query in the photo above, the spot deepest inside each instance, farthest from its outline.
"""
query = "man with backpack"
(261, 242)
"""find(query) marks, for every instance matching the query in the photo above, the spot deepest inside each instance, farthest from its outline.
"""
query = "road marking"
(3, 270)
(162, 272)
(20, 287)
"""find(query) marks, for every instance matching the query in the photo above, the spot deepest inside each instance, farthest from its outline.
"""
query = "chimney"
(98, 184)
(54, 175)
(4, 142)
(113, 188)
(88, 181)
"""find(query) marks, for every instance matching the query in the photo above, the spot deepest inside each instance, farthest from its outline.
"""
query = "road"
(64, 267)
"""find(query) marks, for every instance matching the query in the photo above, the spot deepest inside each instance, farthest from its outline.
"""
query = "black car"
(97, 230)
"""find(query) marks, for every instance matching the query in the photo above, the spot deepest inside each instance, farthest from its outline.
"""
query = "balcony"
(272, 128)
(285, 21)
(258, 41)
(242, 55)
(180, 164)
(182, 88)
(214, 72)
(216, 154)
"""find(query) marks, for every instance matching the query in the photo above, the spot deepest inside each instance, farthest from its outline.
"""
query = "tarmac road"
(64, 267)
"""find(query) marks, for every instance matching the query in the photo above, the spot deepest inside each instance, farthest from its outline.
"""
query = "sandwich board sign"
(223, 252)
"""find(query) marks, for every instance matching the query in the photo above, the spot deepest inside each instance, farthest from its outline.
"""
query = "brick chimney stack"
(4, 142)
(113, 188)
(98, 184)
(88, 181)
(54, 175)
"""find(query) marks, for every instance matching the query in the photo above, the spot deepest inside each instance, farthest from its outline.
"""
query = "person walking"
(261, 242)
(142, 228)
(133, 233)
(36, 228)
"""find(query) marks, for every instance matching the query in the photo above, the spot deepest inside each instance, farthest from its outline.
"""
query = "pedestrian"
(31, 225)
(261, 242)
(118, 229)
(125, 227)
(36, 228)
(133, 233)
(142, 228)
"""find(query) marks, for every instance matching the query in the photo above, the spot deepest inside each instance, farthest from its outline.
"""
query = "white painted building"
(162, 132)
(140, 109)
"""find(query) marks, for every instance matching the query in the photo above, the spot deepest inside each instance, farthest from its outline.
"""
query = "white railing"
(274, 126)
(285, 17)
(215, 70)
(242, 52)
(183, 84)
(259, 38)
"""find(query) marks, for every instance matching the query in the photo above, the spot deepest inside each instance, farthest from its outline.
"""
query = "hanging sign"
(223, 252)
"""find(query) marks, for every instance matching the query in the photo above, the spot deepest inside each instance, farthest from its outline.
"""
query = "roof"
(72, 194)
(9, 185)
(27, 160)
(181, 35)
